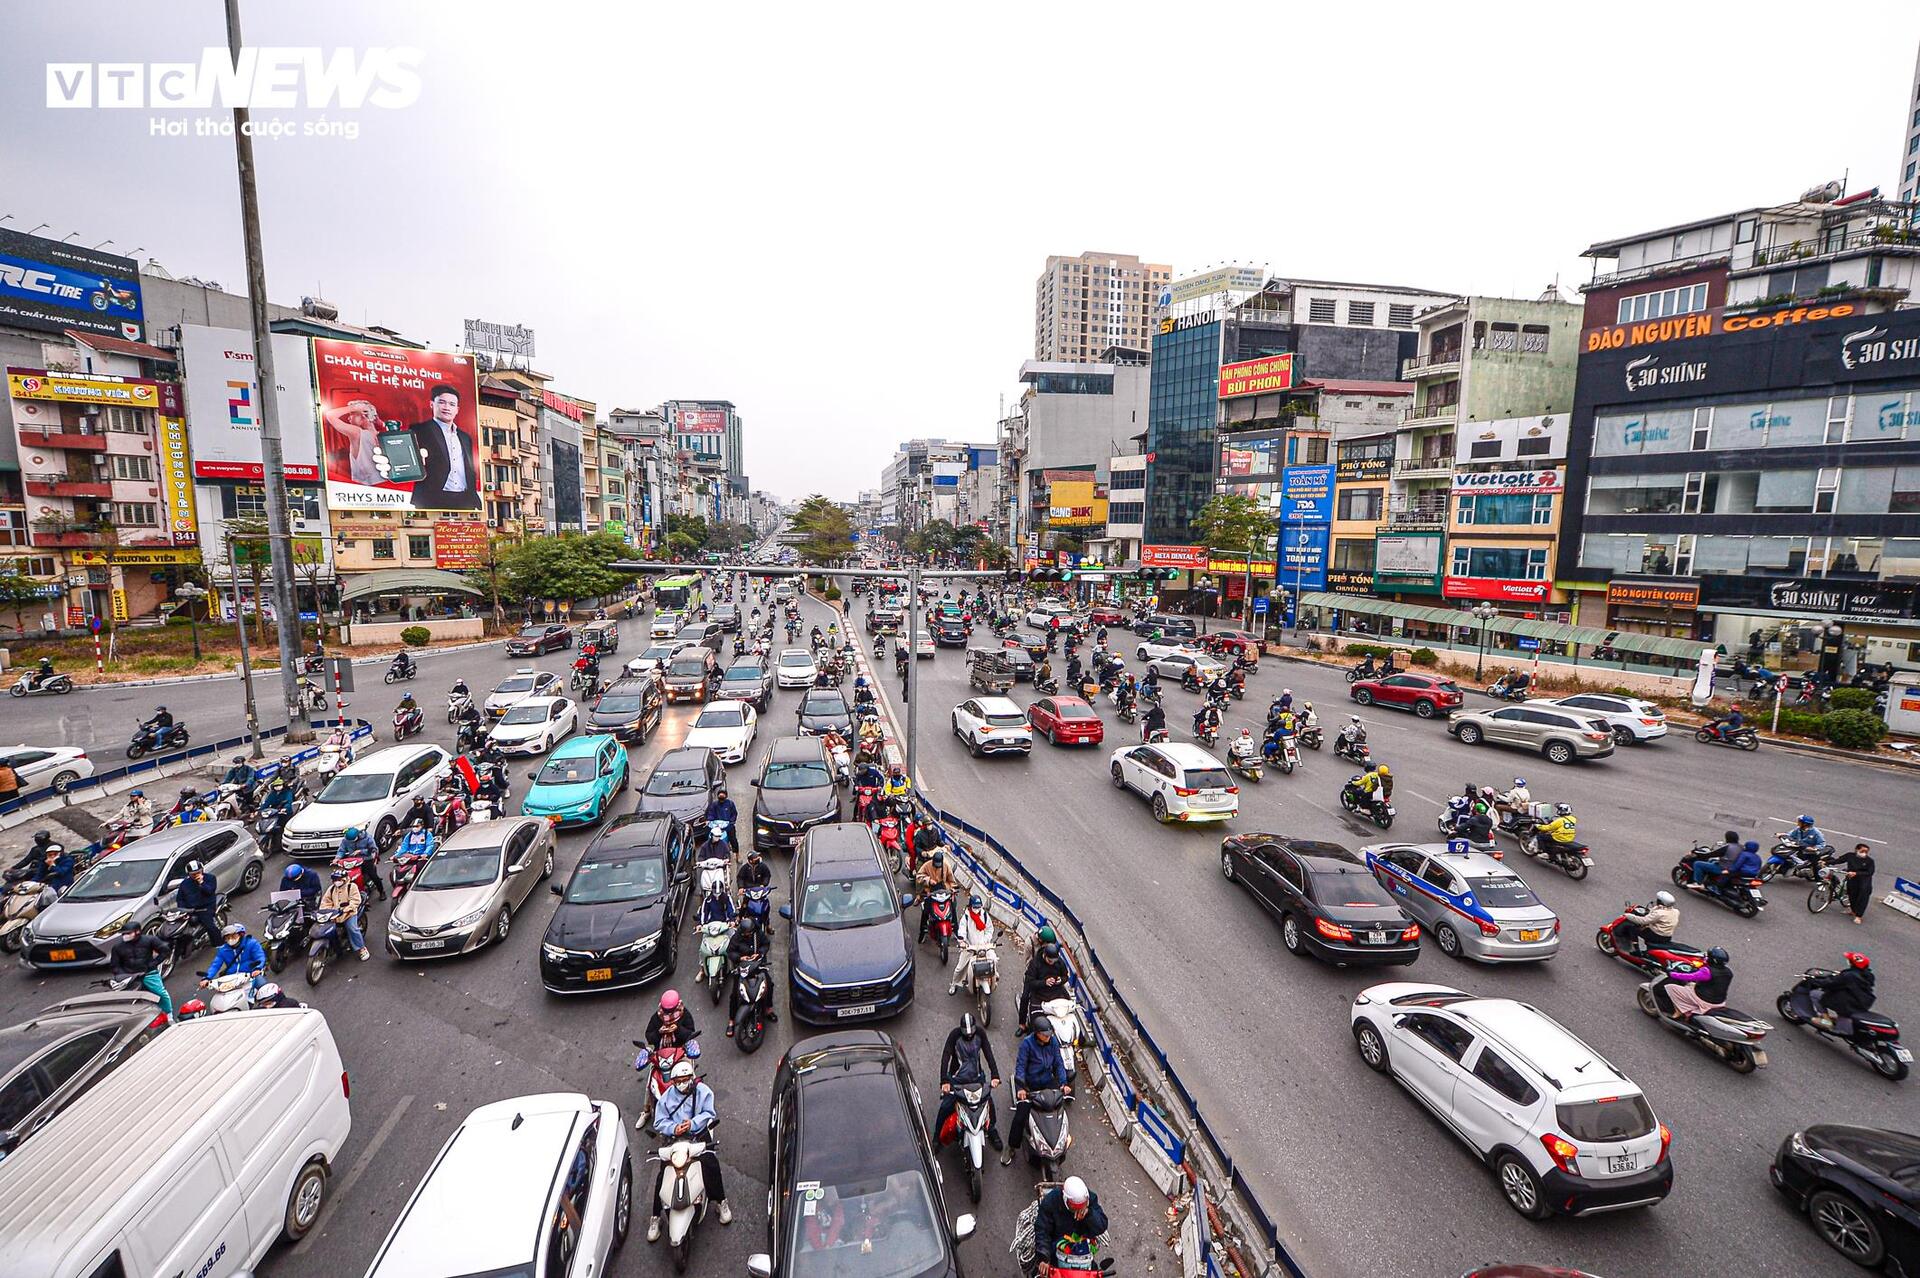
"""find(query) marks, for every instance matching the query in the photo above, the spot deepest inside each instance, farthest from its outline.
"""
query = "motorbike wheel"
(1603, 941)
(1576, 868)
(682, 1252)
(389, 677)
(316, 967)
(1784, 1006)
(1681, 878)
(277, 958)
(1741, 1060)
(1889, 1066)
(135, 749)
(1748, 741)
(752, 1033)
(1644, 997)
(17, 690)
(973, 1183)
(714, 982)
(10, 941)
(983, 1007)
(1702, 735)
(945, 949)
(1745, 908)
(1284, 766)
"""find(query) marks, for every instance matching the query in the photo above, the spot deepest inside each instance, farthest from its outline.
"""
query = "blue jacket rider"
(238, 952)
(305, 880)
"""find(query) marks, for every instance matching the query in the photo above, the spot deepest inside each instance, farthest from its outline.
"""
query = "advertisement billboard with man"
(399, 427)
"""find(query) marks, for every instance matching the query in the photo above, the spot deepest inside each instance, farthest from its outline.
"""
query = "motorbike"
(1048, 1136)
(331, 759)
(938, 906)
(1726, 1032)
(1282, 753)
(147, 740)
(972, 1107)
(397, 672)
(1365, 670)
(866, 803)
(1742, 896)
(683, 1196)
(1510, 688)
(1249, 766)
(17, 909)
(327, 942)
(285, 933)
(449, 810)
(1046, 687)
(713, 956)
(183, 937)
(1309, 735)
(468, 736)
(1345, 747)
(269, 829)
(458, 704)
(1655, 959)
(235, 800)
(657, 1065)
(754, 984)
(57, 685)
(1448, 823)
(1872, 1037)
(582, 680)
(981, 973)
(485, 808)
(311, 697)
(1741, 738)
(408, 722)
(406, 868)
(1207, 733)
(1569, 857)
(1375, 808)
(1794, 861)
(1072, 1036)
(756, 906)
(893, 841)
(232, 992)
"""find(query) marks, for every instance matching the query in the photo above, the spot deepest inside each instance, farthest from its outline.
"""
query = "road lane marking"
(1790, 822)
(361, 1163)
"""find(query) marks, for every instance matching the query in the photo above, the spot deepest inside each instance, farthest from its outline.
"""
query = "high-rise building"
(1909, 169)
(1084, 305)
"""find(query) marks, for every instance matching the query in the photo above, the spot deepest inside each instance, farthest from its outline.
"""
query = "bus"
(676, 594)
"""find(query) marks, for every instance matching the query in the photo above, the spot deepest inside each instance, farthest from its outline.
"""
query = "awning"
(408, 581)
(1546, 631)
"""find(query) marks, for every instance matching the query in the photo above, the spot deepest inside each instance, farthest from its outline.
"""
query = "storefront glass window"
(1629, 434)
(1634, 495)
(1514, 563)
(1884, 416)
(1865, 490)
(1785, 492)
(1616, 552)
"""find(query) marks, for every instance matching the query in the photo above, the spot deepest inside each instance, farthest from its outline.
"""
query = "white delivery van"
(192, 1158)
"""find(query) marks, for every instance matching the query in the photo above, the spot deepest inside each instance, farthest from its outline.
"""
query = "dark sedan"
(796, 792)
(848, 1143)
(536, 639)
(950, 634)
(727, 617)
(47, 1062)
(748, 679)
(825, 710)
(847, 951)
(618, 922)
(682, 784)
(1860, 1190)
(630, 710)
(1328, 902)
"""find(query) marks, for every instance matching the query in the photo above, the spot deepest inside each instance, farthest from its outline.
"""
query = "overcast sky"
(834, 215)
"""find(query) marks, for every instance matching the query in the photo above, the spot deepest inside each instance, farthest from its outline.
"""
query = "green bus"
(676, 594)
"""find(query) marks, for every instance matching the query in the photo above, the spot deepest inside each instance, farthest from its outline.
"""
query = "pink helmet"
(670, 1000)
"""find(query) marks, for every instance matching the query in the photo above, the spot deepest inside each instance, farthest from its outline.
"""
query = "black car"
(536, 639)
(950, 634)
(796, 792)
(1031, 641)
(1860, 1189)
(727, 617)
(1022, 662)
(630, 710)
(748, 679)
(847, 1143)
(884, 621)
(1328, 902)
(48, 1062)
(618, 922)
(847, 951)
(683, 783)
(824, 710)
(691, 674)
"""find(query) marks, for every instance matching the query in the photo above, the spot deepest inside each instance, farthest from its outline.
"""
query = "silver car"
(138, 882)
(471, 887)
(1559, 734)
(1471, 902)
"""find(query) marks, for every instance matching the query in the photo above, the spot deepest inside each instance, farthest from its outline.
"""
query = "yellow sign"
(176, 482)
(82, 390)
(1071, 503)
(128, 557)
(119, 605)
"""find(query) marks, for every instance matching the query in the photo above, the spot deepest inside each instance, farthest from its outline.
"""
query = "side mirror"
(532, 773)
(760, 1265)
(786, 911)
(755, 783)
(906, 901)
(556, 889)
(517, 867)
(963, 1227)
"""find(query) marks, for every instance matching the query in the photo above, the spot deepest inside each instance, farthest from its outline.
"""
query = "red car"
(1425, 695)
(1231, 644)
(1106, 616)
(1066, 721)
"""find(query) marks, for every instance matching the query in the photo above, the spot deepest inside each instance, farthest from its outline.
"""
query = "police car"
(1471, 901)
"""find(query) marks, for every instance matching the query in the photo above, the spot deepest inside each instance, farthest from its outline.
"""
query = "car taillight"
(1556, 927)
(1488, 928)
(1562, 1153)
(1184, 793)
(1651, 723)
(1233, 789)
(1666, 1143)
(346, 1088)
(1411, 932)
(1598, 736)
(1332, 931)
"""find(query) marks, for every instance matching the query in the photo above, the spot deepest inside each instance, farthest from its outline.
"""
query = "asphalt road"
(1262, 1037)
(427, 1043)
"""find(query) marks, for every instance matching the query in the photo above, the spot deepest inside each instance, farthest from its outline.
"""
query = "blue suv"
(848, 956)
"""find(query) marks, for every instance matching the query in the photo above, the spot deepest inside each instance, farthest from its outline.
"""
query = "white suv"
(992, 725)
(1181, 782)
(371, 793)
(1563, 1130)
(536, 1184)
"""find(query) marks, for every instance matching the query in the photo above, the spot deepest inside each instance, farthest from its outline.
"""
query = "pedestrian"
(9, 783)
(1859, 867)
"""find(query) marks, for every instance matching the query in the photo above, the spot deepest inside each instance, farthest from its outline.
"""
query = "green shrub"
(416, 636)
(179, 619)
(1802, 723)
(1425, 657)
(1373, 650)
(831, 594)
(1852, 699)
(1854, 729)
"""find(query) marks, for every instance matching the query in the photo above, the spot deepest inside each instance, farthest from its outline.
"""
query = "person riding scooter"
(1515, 802)
(1475, 824)
(1244, 749)
(1840, 996)
(1069, 1209)
(1206, 720)
(1727, 724)
(136, 815)
(685, 1111)
(968, 1060)
(748, 944)
(933, 874)
(1652, 923)
(402, 667)
(1686, 992)
(1512, 684)
(1153, 723)
(1561, 829)
(156, 728)
(418, 841)
(1727, 871)
(1352, 737)
(38, 679)
(1046, 975)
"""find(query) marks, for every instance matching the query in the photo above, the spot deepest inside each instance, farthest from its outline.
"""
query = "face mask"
(686, 1088)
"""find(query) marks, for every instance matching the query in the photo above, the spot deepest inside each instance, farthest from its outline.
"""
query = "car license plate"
(60, 956)
(1377, 938)
(599, 974)
(430, 945)
(1617, 1163)
(1213, 796)
(1529, 933)
(864, 1009)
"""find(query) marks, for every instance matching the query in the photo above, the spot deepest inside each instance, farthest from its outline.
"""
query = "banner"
(702, 421)
(400, 426)
(1407, 554)
(1665, 592)
(1074, 503)
(1306, 494)
(1502, 588)
(459, 544)
(1506, 481)
(1192, 558)
(176, 481)
(128, 557)
(52, 286)
(223, 404)
(1303, 557)
(68, 388)
(1256, 376)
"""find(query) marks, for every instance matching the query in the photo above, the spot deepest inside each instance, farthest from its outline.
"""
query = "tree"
(935, 538)
(826, 528)
(1236, 523)
(19, 591)
(490, 573)
(569, 567)
(309, 563)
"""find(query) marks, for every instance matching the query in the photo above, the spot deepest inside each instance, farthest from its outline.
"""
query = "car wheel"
(1623, 735)
(502, 925)
(1373, 1048)
(384, 832)
(304, 1203)
(1291, 938)
(1424, 709)
(1226, 865)
(623, 1203)
(64, 781)
(1119, 780)
(1559, 752)
(1362, 696)
(1160, 808)
(1469, 734)
(1449, 941)
(1847, 1227)
(1520, 1187)
(546, 870)
(251, 876)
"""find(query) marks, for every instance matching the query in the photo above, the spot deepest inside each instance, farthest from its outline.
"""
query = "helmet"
(1074, 1190)
(353, 832)
(339, 874)
(753, 854)
(1479, 806)
(194, 867)
(188, 792)
(1520, 783)
(1805, 819)
(419, 823)
(292, 874)
(670, 1000)
(682, 1071)
(1050, 952)
(1040, 1025)
(1750, 846)
(235, 928)
(1664, 897)
(968, 1026)
(41, 838)
(159, 709)
(136, 794)
(939, 857)
(1857, 960)
(1716, 955)
(1563, 809)
(1384, 770)
(1353, 718)
(1048, 936)
(239, 759)
(266, 993)
(974, 902)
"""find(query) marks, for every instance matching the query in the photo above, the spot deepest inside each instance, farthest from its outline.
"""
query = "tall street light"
(1484, 613)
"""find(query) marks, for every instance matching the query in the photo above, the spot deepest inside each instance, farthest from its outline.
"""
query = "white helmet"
(1354, 717)
(266, 993)
(1286, 692)
(682, 1071)
(1664, 897)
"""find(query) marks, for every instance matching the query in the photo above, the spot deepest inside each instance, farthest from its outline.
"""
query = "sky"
(834, 215)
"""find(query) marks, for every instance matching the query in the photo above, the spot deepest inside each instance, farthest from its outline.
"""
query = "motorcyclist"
(747, 944)
(1728, 723)
(418, 841)
(897, 786)
(305, 880)
(685, 1111)
(671, 1025)
(1840, 996)
(1040, 1067)
(756, 873)
(342, 902)
(238, 952)
(1150, 683)
(339, 742)
(1154, 722)
(1656, 921)
(1562, 828)
(1512, 682)
(1043, 673)
(408, 706)
(1353, 736)
(1076, 673)
(238, 772)
(1046, 974)
(193, 807)
(136, 814)
(357, 842)
(56, 869)
(1244, 749)
(1516, 801)
(1377, 779)
(968, 1059)
(199, 895)
(460, 689)
(280, 795)
(402, 664)
(1475, 825)
(1124, 693)
(716, 906)
(158, 726)
(1282, 702)
(1685, 992)
(141, 955)
(1306, 718)
(39, 678)
(1805, 835)
(723, 809)
(1722, 866)
(975, 934)
(933, 873)
(1206, 720)
(1068, 1210)
(270, 996)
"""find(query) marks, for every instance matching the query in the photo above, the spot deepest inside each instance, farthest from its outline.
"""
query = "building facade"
(1083, 305)
(1071, 416)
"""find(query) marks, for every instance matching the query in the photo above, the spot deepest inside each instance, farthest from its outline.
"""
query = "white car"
(535, 726)
(57, 766)
(795, 669)
(1631, 719)
(1175, 665)
(371, 793)
(517, 687)
(1154, 649)
(665, 625)
(726, 728)
(1044, 614)
(992, 725)
(1564, 1131)
(654, 660)
(502, 1196)
(1181, 782)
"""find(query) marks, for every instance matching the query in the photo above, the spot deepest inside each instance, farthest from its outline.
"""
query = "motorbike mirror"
(963, 1227)
(906, 900)
(556, 889)
(760, 1265)
(786, 911)
(532, 773)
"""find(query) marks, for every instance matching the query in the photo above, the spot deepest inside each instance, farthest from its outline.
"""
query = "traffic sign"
(1260, 604)
(1528, 645)
(94, 625)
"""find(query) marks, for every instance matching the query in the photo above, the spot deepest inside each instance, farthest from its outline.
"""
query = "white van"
(208, 1145)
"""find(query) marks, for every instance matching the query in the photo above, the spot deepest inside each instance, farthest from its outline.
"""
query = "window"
(1358, 503)
(1506, 508)
(125, 467)
(127, 421)
(237, 502)
(1685, 300)
(1353, 554)
(1450, 1040)
(1533, 339)
(1360, 313)
(13, 528)
(1400, 315)
(1503, 337)
(1512, 563)
(383, 547)
(419, 547)
(1503, 1078)
(18, 1099)
(1320, 310)
(1534, 446)
(142, 513)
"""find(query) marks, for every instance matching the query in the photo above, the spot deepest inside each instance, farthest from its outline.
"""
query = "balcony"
(1430, 415)
(96, 443)
(1415, 467)
(502, 452)
(67, 486)
(1425, 517)
(1432, 364)
(73, 537)
(507, 490)
(1887, 237)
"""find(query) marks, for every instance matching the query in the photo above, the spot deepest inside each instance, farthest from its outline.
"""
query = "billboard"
(459, 544)
(1406, 554)
(400, 426)
(175, 467)
(223, 404)
(1507, 481)
(1506, 589)
(26, 384)
(1256, 376)
(1306, 494)
(1075, 503)
(702, 421)
(1252, 456)
(512, 340)
(1303, 557)
(49, 285)
(1224, 279)
(566, 484)
(1192, 558)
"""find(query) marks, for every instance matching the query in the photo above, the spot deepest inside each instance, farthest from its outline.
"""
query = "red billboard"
(703, 421)
(1192, 558)
(459, 544)
(1503, 588)
(399, 427)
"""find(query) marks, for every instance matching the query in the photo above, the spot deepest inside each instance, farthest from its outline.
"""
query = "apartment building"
(1086, 304)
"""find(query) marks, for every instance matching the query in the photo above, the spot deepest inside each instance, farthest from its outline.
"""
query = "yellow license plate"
(61, 956)
(599, 974)
(1530, 934)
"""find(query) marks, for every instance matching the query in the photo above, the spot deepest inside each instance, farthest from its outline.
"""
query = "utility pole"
(273, 460)
(913, 662)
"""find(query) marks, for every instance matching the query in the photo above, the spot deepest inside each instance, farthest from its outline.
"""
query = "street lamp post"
(1205, 583)
(1484, 613)
(193, 594)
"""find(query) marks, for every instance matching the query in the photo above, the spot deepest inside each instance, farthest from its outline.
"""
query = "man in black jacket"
(967, 1060)
(448, 479)
(1070, 1209)
(141, 955)
(199, 896)
(1046, 976)
(1844, 995)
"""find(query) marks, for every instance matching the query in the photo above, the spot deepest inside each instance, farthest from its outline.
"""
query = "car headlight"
(640, 946)
(113, 928)
(469, 919)
(553, 953)
(805, 980)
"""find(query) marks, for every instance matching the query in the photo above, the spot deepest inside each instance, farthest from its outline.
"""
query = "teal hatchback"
(578, 782)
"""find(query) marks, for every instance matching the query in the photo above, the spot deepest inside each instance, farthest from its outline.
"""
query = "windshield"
(1353, 888)
(871, 1229)
(360, 787)
(519, 683)
(112, 880)
(633, 878)
(1503, 892)
(688, 666)
(532, 632)
(1208, 778)
(466, 867)
(1617, 1118)
(720, 717)
(846, 903)
(829, 704)
(748, 673)
(792, 659)
(572, 771)
(692, 781)
(806, 775)
(623, 703)
(523, 713)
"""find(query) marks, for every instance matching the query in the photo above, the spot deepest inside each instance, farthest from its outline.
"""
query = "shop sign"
(176, 481)
(1362, 468)
(1343, 582)
(1256, 376)
(76, 616)
(1306, 494)
(1237, 566)
(119, 605)
(1191, 558)
(130, 392)
(459, 544)
(1172, 325)
(1303, 555)
(127, 557)
(1505, 589)
(1673, 328)
(1662, 593)
(1840, 599)
(1507, 481)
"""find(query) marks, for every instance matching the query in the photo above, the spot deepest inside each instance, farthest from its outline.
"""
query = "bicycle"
(1830, 887)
